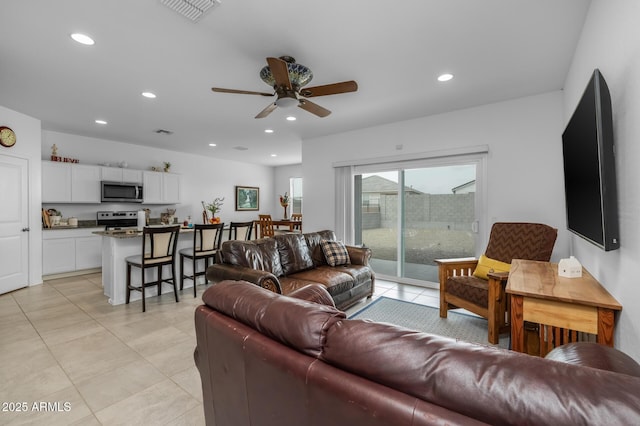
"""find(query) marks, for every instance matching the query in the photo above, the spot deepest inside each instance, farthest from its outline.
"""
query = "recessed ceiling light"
(274, 155)
(101, 122)
(83, 39)
(291, 118)
(445, 77)
(212, 144)
(268, 130)
(149, 95)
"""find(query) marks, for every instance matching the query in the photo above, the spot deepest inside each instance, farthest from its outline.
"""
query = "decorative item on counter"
(214, 208)
(147, 215)
(72, 221)
(168, 217)
(570, 268)
(167, 166)
(284, 202)
(54, 217)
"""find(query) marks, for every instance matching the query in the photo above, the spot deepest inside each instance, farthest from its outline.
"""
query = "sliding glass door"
(411, 216)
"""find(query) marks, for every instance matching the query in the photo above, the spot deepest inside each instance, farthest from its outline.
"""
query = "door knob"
(25, 229)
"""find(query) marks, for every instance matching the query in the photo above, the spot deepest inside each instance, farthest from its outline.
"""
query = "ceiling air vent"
(191, 9)
(240, 148)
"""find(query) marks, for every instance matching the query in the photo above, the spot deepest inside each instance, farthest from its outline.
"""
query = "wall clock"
(7, 137)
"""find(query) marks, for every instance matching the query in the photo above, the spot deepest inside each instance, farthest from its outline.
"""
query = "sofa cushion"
(294, 253)
(313, 242)
(335, 252)
(335, 280)
(274, 315)
(259, 254)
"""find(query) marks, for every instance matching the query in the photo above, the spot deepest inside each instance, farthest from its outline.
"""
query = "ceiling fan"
(288, 79)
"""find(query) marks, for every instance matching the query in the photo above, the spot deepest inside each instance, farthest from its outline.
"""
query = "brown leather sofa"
(267, 359)
(287, 262)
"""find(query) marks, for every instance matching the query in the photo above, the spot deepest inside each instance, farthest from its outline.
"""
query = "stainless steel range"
(118, 220)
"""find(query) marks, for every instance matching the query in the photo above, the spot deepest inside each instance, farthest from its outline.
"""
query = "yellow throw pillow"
(486, 265)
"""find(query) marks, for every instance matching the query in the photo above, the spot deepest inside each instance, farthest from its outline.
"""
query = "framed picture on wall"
(247, 198)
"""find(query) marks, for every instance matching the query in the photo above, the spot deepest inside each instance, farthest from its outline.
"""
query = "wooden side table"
(565, 305)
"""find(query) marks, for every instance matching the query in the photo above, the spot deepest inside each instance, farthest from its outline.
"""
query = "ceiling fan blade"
(267, 110)
(280, 72)
(313, 108)
(242, 92)
(329, 89)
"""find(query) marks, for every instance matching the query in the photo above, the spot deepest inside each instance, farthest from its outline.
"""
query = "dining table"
(291, 225)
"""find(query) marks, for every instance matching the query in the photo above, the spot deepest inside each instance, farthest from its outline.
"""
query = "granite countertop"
(132, 233)
(81, 225)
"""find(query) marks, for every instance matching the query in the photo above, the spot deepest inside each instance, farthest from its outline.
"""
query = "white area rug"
(427, 319)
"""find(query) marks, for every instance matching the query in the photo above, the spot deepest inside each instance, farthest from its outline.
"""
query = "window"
(295, 190)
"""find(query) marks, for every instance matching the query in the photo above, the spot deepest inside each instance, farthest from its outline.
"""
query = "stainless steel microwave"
(121, 192)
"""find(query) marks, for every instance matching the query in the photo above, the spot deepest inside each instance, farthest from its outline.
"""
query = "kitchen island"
(116, 246)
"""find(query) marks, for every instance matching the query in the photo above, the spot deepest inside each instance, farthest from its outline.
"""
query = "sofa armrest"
(221, 271)
(313, 293)
(359, 255)
(595, 355)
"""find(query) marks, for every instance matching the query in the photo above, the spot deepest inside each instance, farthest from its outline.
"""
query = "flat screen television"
(589, 168)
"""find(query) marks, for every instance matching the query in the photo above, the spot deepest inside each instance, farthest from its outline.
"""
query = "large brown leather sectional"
(287, 262)
(267, 359)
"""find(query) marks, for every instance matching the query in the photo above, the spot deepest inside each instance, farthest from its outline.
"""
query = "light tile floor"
(68, 357)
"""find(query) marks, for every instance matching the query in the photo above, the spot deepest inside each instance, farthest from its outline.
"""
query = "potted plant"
(214, 207)
(167, 166)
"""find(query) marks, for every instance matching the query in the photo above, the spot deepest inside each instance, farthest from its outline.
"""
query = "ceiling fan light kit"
(287, 79)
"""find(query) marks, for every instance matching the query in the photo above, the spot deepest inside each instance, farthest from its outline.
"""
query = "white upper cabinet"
(56, 182)
(85, 184)
(117, 174)
(80, 183)
(70, 183)
(161, 188)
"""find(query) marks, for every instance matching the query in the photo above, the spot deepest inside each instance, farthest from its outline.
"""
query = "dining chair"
(158, 248)
(244, 229)
(206, 243)
(266, 225)
(297, 217)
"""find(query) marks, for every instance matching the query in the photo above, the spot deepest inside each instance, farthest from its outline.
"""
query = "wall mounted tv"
(589, 168)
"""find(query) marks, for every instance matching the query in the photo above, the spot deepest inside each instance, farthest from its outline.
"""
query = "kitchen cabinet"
(56, 182)
(117, 174)
(161, 188)
(70, 250)
(70, 183)
(85, 184)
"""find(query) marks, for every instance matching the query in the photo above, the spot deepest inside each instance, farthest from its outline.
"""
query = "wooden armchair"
(459, 288)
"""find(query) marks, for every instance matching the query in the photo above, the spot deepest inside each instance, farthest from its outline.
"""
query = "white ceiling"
(497, 50)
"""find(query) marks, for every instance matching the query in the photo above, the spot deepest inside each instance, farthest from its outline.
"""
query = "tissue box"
(569, 268)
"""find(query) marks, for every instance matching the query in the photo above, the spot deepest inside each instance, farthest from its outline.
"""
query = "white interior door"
(14, 224)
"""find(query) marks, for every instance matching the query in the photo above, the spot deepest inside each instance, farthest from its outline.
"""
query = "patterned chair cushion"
(470, 288)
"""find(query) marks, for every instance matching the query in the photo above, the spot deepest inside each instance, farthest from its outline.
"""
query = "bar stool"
(158, 248)
(206, 243)
(243, 228)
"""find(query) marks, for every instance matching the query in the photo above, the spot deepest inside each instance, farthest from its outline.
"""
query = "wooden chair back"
(266, 225)
(297, 217)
